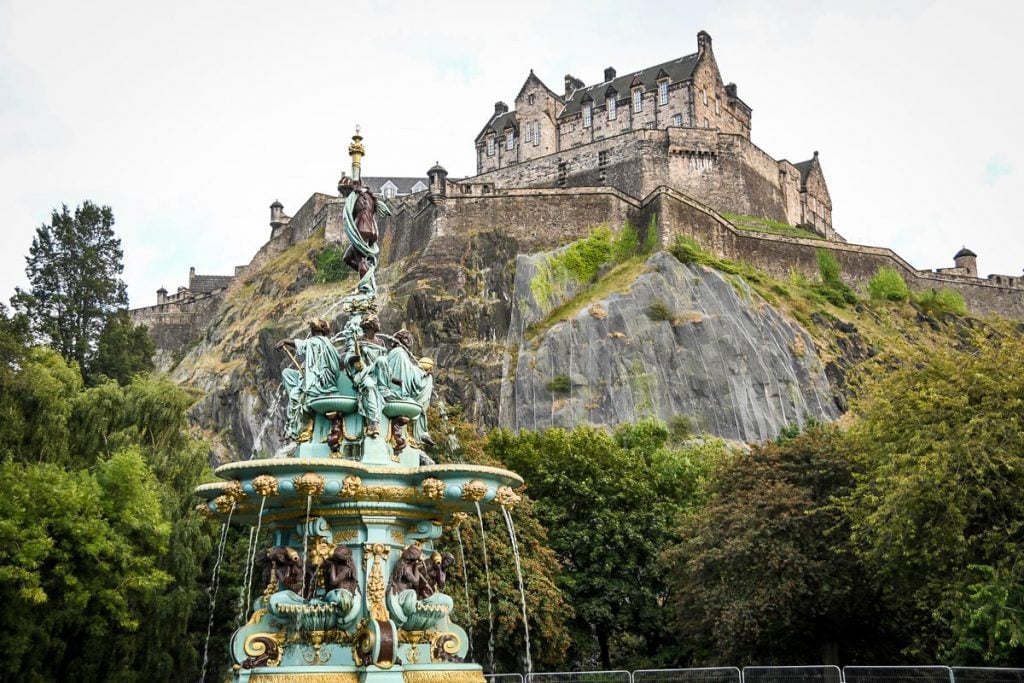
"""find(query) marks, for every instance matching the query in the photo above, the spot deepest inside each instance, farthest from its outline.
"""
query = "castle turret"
(571, 83)
(161, 296)
(968, 260)
(438, 180)
(276, 215)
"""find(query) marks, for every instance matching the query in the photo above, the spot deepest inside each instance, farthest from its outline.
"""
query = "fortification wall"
(177, 324)
(677, 214)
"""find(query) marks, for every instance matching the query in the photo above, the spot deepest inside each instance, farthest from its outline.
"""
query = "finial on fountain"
(356, 150)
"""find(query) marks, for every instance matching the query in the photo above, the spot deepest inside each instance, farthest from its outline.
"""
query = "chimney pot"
(609, 74)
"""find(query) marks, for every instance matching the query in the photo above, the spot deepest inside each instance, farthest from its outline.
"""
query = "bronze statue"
(281, 567)
(340, 570)
(409, 574)
(437, 567)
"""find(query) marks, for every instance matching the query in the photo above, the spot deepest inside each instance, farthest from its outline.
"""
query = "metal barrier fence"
(581, 677)
(778, 674)
(792, 674)
(720, 674)
(897, 674)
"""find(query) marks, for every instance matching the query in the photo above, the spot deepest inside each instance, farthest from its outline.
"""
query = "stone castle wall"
(725, 171)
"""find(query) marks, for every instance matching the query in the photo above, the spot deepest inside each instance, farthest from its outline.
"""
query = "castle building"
(675, 124)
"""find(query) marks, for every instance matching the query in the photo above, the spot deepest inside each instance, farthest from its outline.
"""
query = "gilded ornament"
(474, 491)
(433, 488)
(265, 485)
(458, 676)
(398, 536)
(375, 585)
(345, 535)
(459, 517)
(224, 503)
(350, 486)
(204, 510)
(234, 489)
(506, 497)
(333, 677)
(310, 484)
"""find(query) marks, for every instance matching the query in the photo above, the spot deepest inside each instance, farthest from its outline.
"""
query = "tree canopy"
(73, 267)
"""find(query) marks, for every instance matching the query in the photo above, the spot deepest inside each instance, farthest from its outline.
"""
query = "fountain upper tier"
(347, 488)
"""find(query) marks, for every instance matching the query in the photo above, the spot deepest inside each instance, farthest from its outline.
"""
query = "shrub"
(680, 427)
(330, 265)
(828, 266)
(559, 384)
(888, 285)
(836, 293)
(626, 244)
(659, 311)
(937, 302)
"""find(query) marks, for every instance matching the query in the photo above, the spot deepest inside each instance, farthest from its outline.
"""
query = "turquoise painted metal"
(353, 586)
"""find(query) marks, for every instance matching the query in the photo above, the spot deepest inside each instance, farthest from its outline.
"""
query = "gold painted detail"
(350, 486)
(459, 517)
(310, 484)
(474, 491)
(224, 503)
(255, 645)
(445, 642)
(507, 498)
(345, 535)
(375, 585)
(413, 639)
(265, 485)
(433, 488)
(204, 510)
(398, 536)
(333, 677)
(234, 489)
(457, 676)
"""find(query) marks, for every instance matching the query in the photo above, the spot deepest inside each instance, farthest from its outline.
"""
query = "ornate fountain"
(353, 586)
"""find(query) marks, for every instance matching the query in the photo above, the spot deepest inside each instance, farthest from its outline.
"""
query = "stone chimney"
(571, 83)
(161, 296)
(703, 43)
(968, 260)
(609, 74)
(191, 276)
(730, 91)
(500, 108)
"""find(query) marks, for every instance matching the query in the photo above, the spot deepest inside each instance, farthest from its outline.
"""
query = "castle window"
(510, 140)
(706, 124)
(717, 110)
(602, 159)
(638, 100)
(530, 99)
(563, 171)
(705, 94)
(611, 108)
(529, 132)
(663, 92)
(649, 125)
(677, 120)
(490, 146)
(588, 115)
(536, 132)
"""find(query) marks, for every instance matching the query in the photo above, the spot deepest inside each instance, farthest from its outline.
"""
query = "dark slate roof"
(677, 70)
(404, 185)
(499, 122)
(965, 252)
(204, 284)
(805, 169)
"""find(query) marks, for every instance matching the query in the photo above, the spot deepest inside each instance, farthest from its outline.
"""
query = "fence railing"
(777, 674)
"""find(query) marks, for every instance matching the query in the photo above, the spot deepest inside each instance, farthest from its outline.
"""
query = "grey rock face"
(723, 357)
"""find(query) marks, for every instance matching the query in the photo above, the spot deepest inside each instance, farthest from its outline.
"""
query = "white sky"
(190, 117)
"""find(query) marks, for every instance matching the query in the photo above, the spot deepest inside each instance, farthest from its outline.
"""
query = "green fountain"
(352, 588)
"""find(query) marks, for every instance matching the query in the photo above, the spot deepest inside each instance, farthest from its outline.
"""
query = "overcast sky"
(190, 117)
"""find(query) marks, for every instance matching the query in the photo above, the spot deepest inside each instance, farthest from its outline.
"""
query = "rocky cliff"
(651, 337)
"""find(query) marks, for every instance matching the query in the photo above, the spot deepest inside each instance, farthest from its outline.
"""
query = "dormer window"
(588, 115)
(388, 190)
(490, 146)
(638, 100)
(612, 108)
(663, 92)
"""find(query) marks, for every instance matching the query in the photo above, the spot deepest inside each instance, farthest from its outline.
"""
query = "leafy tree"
(609, 504)
(123, 350)
(938, 512)
(941, 301)
(763, 571)
(546, 604)
(73, 267)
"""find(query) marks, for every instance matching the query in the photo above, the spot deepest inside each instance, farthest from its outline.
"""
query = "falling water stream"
(305, 545)
(254, 542)
(522, 590)
(490, 592)
(212, 590)
(246, 574)
(465, 587)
